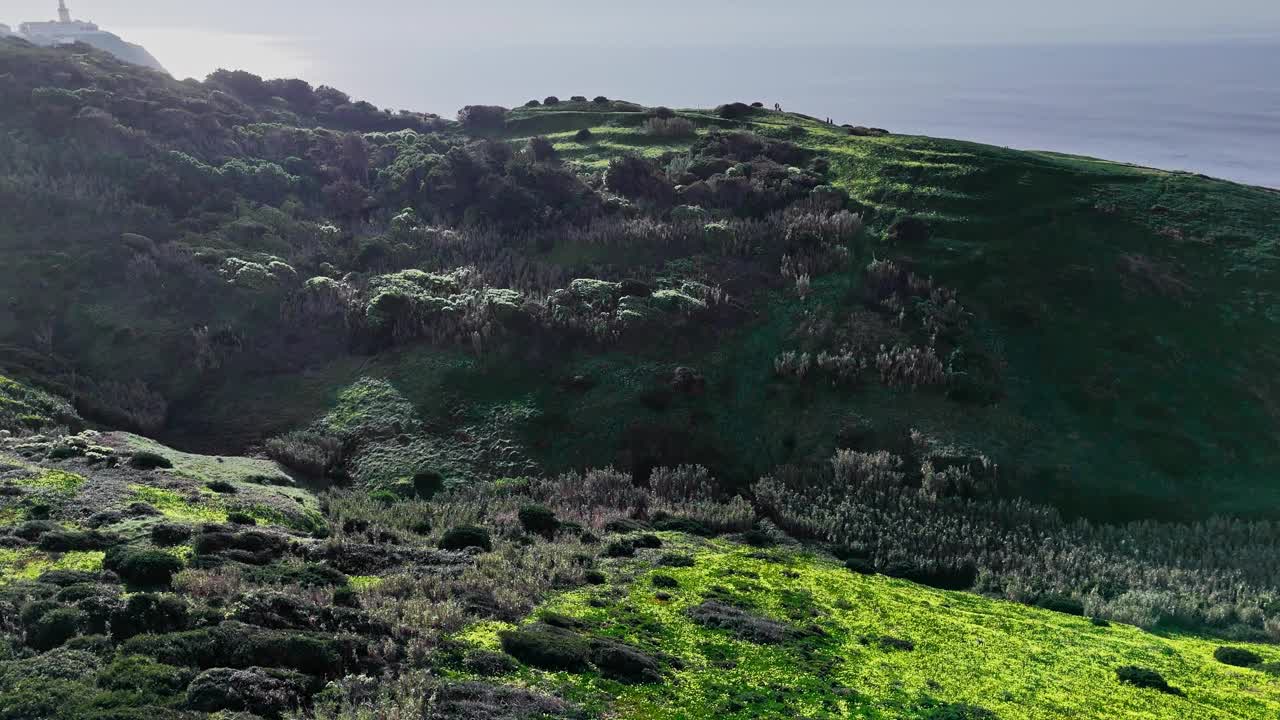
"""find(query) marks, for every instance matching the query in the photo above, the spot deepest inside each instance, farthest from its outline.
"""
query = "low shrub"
(538, 520)
(551, 100)
(676, 560)
(142, 567)
(1239, 657)
(149, 613)
(483, 117)
(54, 626)
(583, 135)
(77, 540)
(739, 623)
(648, 541)
(169, 534)
(664, 581)
(489, 664)
(222, 487)
(466, 536)
(267, 693)
(1145, 678)
(624, 663)
(734, 110)
(547, 647)
(237, 517)
(669, 128)
(147, 460)
(620, 549)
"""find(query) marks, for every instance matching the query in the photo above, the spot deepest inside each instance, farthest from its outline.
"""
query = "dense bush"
(146, 460)
(669, 128)
(538, 520)
(143, 567)
(739, 623)
(149, 613)
(547, 647)
(483, 117)
(734, 111)
(466, 536)
(624, 663)
(260, 691)
(53, 627)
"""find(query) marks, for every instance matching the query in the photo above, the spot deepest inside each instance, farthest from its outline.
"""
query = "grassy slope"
(1017, 661)
(1131, 309)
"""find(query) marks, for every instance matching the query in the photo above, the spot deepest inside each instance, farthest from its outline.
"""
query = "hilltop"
(282, 363)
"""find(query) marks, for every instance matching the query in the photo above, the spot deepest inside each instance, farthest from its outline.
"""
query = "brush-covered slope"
(225, 262)
(311, 409)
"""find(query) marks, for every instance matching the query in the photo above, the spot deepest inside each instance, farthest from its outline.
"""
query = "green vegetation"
(1016, 661)
(592, 409)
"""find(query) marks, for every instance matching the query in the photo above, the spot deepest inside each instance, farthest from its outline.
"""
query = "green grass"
(205, 468)
(1019, 662)
(27, 564)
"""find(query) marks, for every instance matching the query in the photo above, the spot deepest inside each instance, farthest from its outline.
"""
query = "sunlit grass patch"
(1019, 662)
(175, 506)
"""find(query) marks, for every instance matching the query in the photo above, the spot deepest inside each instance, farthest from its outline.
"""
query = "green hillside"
(592, 409)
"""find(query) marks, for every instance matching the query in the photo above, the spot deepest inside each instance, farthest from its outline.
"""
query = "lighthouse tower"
(64, 15)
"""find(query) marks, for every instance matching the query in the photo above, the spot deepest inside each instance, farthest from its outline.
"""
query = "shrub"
(542, 150)
(308, 452)
(734, 111)
(143, 567)
(466, 536)
(533, 104)
(676, 560)
(138, 675)
(539, 520)
(594, 577)
(547, 648)
(256, 690)
(664, 581)
(739, 623)
(620, 549)
(625, 664)
(1239, 657)
(489, 664)
(149, 613)
(600, 100)
(483, 117)
(669, 128)
(583, 135)
(147, 460)
(54, 627)
(551, 100)
(909, 231)
(1145, 678)
(76, 540)
(169, 534)
(237, 517)
(648, 541)
(67, 578)
(223, 487)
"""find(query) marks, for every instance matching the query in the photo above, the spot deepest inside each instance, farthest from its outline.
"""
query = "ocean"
(1205, 108)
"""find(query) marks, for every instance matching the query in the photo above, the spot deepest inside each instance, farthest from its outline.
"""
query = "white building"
(57, 32)
(67, 31)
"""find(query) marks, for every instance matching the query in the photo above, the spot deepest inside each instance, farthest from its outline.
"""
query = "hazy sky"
(287, 37)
